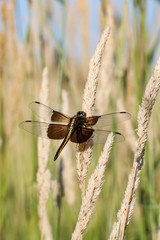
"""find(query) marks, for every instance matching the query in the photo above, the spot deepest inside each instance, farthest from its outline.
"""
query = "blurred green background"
(62, 35)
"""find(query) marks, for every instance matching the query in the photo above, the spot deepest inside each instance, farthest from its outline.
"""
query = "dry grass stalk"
(43, 174)
(144, 115)
(105, 83)
(68, 173)
(83, 9)
(71, 37)
(93, 190)
(84, 158)
(35, 33)
(15, 91)
(13, 28)
(92, 80)
(130, 133)
(12, 59)
(130, 74)
(121, 44)
(4, 15)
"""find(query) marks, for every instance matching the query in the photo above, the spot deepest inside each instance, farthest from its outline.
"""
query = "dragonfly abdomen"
(67, 138)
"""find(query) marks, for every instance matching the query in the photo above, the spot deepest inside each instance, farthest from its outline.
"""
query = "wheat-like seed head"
(93, 190)
(105, 82)
(145, 110)
(43, 174)
(84, 157)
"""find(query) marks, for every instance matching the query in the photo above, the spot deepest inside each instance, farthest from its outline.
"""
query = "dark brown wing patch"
(90, 121)
(107, 119)
(47, 114)
(59, 117)
(45, 130)
(81, 135)
(57, 131)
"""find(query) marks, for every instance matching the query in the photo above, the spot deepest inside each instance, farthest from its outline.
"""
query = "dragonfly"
(77, 129)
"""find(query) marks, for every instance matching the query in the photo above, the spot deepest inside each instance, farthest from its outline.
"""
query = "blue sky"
(22, 17)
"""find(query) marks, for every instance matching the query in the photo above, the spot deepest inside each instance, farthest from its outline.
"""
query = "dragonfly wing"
(48, 114)
(107, 119)
(45, 130)
(100, 136)
(96, 136)
(81, 135)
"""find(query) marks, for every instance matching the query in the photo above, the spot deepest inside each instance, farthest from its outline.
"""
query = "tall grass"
(53, 38)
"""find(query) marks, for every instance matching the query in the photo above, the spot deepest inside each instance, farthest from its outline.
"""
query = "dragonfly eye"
(81, 114)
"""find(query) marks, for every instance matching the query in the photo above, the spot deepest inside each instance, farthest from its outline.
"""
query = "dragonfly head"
(81, 114)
